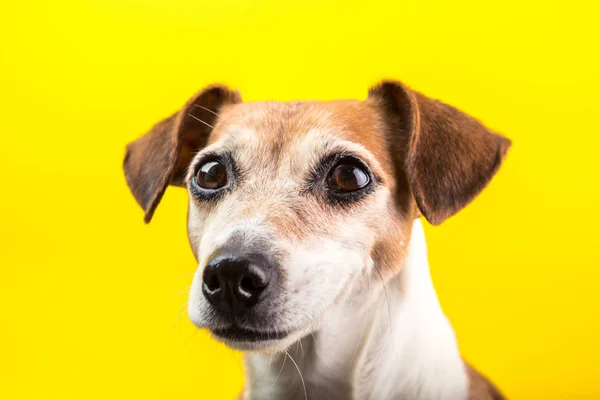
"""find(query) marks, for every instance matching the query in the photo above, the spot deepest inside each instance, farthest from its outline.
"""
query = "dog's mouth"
(238, 334)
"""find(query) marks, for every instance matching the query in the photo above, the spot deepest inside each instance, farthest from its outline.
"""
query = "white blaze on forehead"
(239, 134)
(234, 136)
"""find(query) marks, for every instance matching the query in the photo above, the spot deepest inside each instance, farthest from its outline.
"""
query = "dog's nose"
(233, 283)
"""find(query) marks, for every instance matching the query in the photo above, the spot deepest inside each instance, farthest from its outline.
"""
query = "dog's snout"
(234, 283)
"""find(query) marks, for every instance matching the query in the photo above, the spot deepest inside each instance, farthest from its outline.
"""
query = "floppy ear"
(161, 156)
(447, 156)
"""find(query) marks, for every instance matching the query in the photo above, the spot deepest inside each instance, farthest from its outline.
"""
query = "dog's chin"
(255, 340)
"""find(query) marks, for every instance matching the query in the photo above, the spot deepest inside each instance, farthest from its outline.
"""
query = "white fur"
(371, 345)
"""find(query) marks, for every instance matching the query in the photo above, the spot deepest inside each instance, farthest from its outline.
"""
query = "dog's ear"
(447, 156)
(162, 155)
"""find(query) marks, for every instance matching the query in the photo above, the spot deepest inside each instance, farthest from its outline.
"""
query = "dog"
(305, 220)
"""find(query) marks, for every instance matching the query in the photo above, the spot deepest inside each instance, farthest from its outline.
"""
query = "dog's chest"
(324, 364)
(289, 375)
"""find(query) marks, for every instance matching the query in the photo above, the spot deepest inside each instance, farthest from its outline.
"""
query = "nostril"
(212, 283)
(252, 284)
(247, 284)
(254, 280)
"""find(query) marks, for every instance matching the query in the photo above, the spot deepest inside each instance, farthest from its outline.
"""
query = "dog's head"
(290, 203)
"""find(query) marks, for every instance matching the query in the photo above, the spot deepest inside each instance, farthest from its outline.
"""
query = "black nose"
(233, 284)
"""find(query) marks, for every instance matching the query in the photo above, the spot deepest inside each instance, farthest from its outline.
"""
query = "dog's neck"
(383, 341)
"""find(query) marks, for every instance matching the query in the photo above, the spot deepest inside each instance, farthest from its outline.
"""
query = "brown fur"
(449, 156)
(163, 155)
(432, 158)
(480, 387)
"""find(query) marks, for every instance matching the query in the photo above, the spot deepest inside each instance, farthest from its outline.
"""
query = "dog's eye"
(348, 177)
(212, 175)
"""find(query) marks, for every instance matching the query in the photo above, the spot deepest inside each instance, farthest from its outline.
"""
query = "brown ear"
(448, 157)
(161, 156)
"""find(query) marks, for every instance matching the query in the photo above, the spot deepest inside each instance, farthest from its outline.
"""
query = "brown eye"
(212, 175)
(348, 178)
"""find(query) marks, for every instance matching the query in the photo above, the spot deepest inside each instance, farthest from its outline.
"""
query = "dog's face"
(299, 195)
(290, 204)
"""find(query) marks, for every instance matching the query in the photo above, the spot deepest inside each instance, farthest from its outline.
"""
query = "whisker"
(198, 119)
(280, 371)
(254, 373)
(185, 291)
(186, 276)
(182, 311)
(387, 299)
(300, 373)
(182, 350)
(269, 366)
(187, 342)
(206, 109)
(362, 333)
(236, 361)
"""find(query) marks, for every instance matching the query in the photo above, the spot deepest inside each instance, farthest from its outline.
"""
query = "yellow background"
(90, 297)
